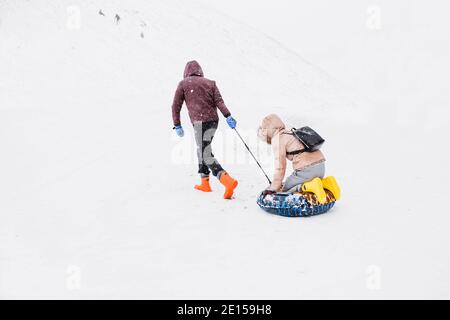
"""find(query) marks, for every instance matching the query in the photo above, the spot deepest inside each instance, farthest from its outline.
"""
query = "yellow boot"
(315, 186)
(331, 184)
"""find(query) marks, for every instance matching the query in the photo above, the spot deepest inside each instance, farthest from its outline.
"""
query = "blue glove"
(231, 122)
(179, 130)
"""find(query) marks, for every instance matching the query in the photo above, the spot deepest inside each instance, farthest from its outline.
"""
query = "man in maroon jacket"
(202, 99)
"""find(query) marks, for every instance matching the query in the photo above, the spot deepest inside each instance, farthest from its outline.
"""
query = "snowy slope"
(93, 179)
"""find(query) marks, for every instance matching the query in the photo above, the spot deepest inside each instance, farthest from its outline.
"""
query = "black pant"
(204, 133)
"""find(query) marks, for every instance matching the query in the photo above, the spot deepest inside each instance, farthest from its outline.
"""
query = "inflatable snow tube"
(288, 204)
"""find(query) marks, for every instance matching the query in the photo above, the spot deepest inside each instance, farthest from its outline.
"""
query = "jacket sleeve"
(178, 100)
(279, 152)
(218, 102)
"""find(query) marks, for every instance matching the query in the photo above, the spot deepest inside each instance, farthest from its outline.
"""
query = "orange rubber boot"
(229, 183)
(204, 186)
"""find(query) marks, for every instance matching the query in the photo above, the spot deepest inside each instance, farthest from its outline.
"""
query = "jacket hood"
(270, 126)
(193, 68)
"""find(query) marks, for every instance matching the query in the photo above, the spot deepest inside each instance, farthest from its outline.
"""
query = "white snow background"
(96, 191)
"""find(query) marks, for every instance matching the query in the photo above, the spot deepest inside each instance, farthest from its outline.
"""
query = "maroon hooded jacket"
(201, 95)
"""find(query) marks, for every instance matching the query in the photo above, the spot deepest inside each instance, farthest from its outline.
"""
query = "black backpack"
(310, 139)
